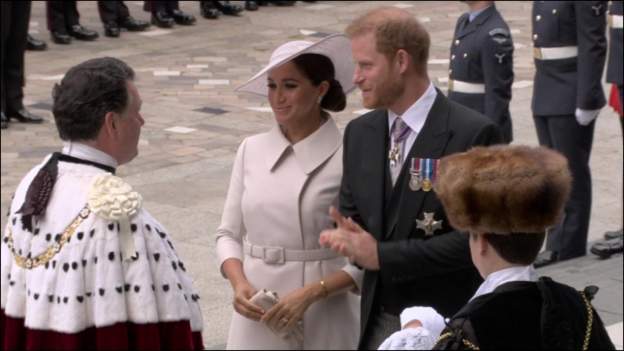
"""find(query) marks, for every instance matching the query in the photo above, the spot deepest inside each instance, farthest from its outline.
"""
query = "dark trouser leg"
(13, 48)
(157, 6)
(108, 10)
(381, 326)
(564, 134)
(56, 16)
(72, 17)
(172, 5)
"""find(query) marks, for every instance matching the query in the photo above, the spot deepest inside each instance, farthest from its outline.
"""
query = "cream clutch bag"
(266, 299)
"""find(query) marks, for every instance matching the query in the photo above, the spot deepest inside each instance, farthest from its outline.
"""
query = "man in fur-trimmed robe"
(84, 266)
(505, 198)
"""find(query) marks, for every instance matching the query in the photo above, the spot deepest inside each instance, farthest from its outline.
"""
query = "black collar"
(72, 159)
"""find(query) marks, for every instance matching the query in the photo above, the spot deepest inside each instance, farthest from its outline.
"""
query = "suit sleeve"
(406, 260)
(497, 65)
(347, 205)
(592, 47)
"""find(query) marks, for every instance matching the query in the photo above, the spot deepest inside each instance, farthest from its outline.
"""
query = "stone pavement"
(194, 123)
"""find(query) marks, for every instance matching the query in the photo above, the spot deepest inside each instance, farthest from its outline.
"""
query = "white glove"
(585, 117)
(428, 317)
(409, 339)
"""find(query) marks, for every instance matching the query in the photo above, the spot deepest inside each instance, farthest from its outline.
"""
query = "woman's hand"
(242, 293)
(290, 309)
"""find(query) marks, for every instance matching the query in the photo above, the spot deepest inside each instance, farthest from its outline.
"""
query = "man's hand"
(350, 240)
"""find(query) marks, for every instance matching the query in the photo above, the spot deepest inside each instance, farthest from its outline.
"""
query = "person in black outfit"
(63, 23)
(410, 254)
(115, 15)
(15, 18)
(569, 51)
(504, 198)
(166, 13)
(481, 64)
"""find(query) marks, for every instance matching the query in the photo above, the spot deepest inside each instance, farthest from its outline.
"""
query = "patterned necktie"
(399, 132)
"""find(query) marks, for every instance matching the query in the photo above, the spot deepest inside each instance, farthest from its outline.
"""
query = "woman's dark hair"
(318, 68)
(87, 93)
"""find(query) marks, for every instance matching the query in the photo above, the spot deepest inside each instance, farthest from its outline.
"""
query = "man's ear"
(402, 59)
(110, 123)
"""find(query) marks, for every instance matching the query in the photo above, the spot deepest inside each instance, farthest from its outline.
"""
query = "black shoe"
(208, 10)
(81, 33)
(60, 38)
(133, 25)
(613, 234)
(35, 44)
(162, 20)
(182, 18)
(4, 122)
(545, 258)
(251, 6)
(606, 248)
(24, 116)
(111, 29)
(229, 9)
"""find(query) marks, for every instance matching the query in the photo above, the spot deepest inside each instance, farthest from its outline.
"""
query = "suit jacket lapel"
(374, 171)
(430, 143)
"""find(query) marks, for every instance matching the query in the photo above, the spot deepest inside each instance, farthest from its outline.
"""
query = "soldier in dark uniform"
(613, 239)
(569, 50)
(63, 23)
(15, 18)
(115, 15)
(481, 66)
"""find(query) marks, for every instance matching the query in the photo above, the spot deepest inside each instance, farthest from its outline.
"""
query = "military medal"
(415, 182)
(393, 155)
(428, 224)
(430, 173)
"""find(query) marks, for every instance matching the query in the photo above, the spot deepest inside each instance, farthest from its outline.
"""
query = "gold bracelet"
(325, 291)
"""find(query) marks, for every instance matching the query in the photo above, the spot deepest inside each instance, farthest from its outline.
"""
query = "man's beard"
(387, 93)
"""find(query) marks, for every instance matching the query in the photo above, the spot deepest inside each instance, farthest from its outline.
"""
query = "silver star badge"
(428, 224)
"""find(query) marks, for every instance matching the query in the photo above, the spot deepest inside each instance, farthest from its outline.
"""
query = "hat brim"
(337, 47)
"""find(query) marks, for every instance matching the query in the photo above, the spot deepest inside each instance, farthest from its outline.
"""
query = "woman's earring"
(320, 98)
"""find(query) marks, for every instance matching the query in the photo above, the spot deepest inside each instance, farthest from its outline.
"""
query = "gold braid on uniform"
(52, 250)
(465, 341)
(590, 321)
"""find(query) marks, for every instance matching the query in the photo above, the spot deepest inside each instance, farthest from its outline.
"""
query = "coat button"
(554, 11)
(534, 36)
(456, 41)
(465, 55)
(538, 17)
(450, 71)
(452, 57)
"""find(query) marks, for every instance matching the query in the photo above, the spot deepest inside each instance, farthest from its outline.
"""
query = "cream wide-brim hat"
(337, 47)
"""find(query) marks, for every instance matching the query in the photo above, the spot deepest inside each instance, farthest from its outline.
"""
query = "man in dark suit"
(15, 18)
(409, 252)
(569, 50)
(481, 64)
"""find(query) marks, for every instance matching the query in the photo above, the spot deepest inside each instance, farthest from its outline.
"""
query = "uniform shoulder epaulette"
(113, 199)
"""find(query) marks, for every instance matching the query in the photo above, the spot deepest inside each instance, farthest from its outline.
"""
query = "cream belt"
(279, 255)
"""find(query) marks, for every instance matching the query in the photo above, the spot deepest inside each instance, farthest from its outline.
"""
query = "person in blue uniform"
(569, 51)
(481, 64)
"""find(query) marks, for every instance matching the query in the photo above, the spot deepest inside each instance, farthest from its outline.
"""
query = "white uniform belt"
(615, 21)
(279, 255)
(561, 52)
(465, 87)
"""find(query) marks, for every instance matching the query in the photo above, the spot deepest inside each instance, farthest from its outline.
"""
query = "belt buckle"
(610, 21)
(537, 53)
(273, 255)
(450, 85)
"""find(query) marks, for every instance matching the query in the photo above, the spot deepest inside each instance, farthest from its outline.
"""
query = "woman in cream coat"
(282, 185)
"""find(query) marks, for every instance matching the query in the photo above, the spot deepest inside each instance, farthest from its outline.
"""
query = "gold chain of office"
(590, 322)
(52, 250)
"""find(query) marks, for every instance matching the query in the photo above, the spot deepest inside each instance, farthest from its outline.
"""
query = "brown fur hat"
(504, 189)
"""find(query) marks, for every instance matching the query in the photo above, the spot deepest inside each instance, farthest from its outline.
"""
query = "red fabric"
(120, 336)
(614, 100)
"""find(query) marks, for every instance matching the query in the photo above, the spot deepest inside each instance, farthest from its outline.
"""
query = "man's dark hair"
(517, 248)
(87, 93)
